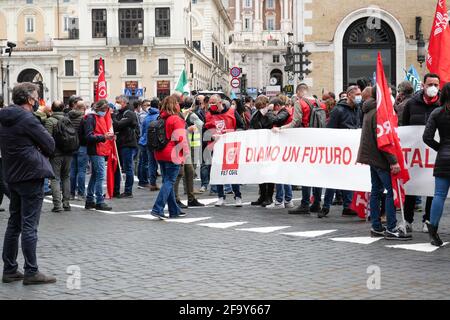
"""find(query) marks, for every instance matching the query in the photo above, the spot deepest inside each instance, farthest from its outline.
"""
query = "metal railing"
(34, 45)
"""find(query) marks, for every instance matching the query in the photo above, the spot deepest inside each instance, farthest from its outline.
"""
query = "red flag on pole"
(101, 82)
(387, 137)
(438, 59)
(112, 158)
(360, 204)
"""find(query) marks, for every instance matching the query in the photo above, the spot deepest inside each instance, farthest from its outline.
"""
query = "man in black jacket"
(416, 113)
(125, 123)
(25, 147)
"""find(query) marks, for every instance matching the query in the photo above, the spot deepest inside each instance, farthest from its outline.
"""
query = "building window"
(213, 51)
(270, 23)
(29, 24)
(96, 62)
(194, 1)
(248, 3)
(247, 24)
(197, 45)
(29, 1)
(129, 1)
(270, 4)
(131, 67)
(131, 26)
(162, 20)
(66, 23)
(99, 23)
(217, 54)
(69, 68)
(276, 58)
(163, 66)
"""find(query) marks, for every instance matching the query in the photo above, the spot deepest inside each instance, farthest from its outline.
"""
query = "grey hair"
(123, 98)
(22, 92)
(216, 97)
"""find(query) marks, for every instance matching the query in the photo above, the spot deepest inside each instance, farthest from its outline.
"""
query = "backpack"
(65, 136)
(318, 116)
(156, 135)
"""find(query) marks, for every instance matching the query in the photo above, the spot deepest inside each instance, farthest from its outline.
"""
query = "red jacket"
(218, 124)
(306, 110)
(177, 147)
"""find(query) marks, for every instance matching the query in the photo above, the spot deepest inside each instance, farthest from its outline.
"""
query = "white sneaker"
(238, 202)
(276, 205)
(424, 227)
(202, 189)
(220, 202)
(289, 205)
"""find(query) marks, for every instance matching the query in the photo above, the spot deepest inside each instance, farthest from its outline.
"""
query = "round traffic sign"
(235, 82)
(235, 72)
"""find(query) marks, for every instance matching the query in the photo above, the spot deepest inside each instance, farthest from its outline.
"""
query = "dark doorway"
(32, 75)
(361, 46)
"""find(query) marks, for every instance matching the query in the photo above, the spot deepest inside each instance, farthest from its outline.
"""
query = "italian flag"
(183, 84)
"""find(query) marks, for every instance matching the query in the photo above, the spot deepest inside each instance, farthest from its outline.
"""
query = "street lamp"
(420, 42)
(9, 50)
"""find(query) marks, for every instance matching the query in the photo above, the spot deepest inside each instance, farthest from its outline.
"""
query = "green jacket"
(50, 124)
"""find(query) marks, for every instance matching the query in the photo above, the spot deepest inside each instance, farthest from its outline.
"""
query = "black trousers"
(410, 203)
(266, 191)
(4, 190)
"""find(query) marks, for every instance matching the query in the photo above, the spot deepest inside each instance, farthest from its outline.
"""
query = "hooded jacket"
(50, 125)
(25, 146)
(439, 120)
(343, 116)
(368, 152)
(417, 112)
(152, 115)
(76, 117)
(125, 124)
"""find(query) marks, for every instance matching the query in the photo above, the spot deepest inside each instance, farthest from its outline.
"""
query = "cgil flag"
(112, 157)
(183, 84)
(101, 82)
(438, 59)
(387, 137)
(413, 76)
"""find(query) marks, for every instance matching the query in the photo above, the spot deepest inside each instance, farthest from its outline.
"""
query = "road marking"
(187, 220)
(145, 216)
(309, 234)
(222, 225)
(264, 229)
(422, 247)
(360, 240)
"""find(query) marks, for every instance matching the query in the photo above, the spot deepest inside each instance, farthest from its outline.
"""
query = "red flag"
(101, 82)
(112, 158)
(387, 137)
(360, 204)
(438, 59)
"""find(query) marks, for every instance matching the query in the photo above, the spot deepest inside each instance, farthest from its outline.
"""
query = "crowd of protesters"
(48, 150)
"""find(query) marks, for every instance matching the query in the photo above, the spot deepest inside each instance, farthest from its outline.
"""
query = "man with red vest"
(220, 120)
(301, 118)
(97, 134)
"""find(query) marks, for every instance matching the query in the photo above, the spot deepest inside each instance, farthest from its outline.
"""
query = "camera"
(11, 44)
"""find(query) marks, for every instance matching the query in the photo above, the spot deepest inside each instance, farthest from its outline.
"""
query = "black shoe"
(57, 209)
(102, 207)
(302, 209)
(11, 277)
(38, 278)
(48, 193)
(338, 202)
(2, 210)
(89, 205)
(323, 213)
(435, 240)
(195, 203)
(377, 233)
(116, 195)
(181, 205)
(347, 212)
(68, 208)
(126, 195)
(397, 234)
(315, 208)
(266, 203)
(182, 214)
(257, 202)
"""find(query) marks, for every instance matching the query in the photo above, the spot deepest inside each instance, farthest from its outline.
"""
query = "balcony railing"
(34, 45)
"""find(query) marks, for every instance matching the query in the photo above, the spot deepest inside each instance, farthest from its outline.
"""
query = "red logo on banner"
(231, 153)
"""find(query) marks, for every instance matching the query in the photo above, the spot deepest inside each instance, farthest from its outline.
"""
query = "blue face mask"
(358, 99)
(101, 113)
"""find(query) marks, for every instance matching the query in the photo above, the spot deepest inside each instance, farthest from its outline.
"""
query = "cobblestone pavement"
(125, 257)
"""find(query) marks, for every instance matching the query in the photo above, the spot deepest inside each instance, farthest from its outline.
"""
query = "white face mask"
(432, 92)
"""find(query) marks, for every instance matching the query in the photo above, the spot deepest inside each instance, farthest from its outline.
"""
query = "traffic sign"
(139, 92)
(128, 92)
(235, 82)
(235, 72)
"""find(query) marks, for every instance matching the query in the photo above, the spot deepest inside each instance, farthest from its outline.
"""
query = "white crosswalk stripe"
(422, 247)
(264, 229)
(360, 240)
(309, 234)
(222, 225)
(187, 220)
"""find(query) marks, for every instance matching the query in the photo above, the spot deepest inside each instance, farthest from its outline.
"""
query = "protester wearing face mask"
(416, 113)
(346, 115)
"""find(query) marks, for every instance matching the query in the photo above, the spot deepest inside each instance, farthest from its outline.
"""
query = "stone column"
(237, 18)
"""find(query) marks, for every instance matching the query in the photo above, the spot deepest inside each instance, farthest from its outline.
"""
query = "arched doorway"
(32, 75)
(278, 75)
(361, 45)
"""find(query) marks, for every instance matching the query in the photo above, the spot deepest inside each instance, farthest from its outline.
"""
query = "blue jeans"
(235, 187)
(169, 172)
(283, 190)
(46, 187)
(127, 164)
(143, 165)
(25, 210)
(329, 194)
(78, 172)
(96, 182)
(441, 186)
(306, 195)
(205, 170)
(152, 167)
(381, 180)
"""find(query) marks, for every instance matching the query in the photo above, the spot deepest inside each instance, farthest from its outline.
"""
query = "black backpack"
(65, 136)
(318, 116)
(156, 135)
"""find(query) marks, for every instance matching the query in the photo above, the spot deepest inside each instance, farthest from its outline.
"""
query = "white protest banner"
(314, 157)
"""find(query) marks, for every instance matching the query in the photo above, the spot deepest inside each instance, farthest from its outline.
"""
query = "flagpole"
(399, 181)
